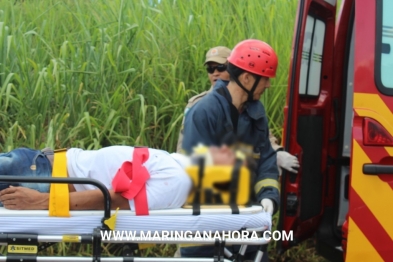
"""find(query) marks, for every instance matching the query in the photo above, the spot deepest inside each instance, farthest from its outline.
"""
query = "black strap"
(217, 198)
(250, 93)
(234, 112)
(196, 205)
(208, 196)
(233, 188)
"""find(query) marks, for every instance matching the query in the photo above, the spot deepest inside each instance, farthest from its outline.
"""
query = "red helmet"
(254, 56)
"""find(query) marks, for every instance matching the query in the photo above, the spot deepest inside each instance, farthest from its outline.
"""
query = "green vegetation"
(91, 73)
(95, 72)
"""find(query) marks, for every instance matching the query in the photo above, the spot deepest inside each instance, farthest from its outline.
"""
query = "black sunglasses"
(220, 68)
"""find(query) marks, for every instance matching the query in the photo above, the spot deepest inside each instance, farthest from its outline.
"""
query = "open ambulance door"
(370, 224)
(308, 117)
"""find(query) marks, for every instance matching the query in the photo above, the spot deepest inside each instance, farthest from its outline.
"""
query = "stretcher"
(27, 233)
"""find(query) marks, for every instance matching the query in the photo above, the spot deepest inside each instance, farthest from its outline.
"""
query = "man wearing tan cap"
(216, 64)
(216, 67)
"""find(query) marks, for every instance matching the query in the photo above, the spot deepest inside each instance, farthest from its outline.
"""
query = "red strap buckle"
(131, 179)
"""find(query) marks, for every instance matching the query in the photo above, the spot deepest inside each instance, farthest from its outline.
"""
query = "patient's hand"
(23, 198)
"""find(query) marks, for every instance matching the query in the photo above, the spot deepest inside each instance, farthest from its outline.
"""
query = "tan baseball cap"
(218, 54)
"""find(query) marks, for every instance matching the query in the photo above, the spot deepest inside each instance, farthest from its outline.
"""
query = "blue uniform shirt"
(209, 122)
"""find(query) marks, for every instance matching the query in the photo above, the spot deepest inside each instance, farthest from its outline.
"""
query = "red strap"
(131, 179)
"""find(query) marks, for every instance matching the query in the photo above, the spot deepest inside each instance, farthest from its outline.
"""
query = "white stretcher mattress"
(181, 219)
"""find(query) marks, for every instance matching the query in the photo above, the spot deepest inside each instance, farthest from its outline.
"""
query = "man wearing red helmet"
(232, 114)
(216, 67)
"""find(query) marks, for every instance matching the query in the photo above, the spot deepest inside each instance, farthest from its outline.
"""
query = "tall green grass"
(89, 73)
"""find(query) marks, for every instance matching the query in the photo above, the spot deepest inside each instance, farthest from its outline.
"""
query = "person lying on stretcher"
(167, 185)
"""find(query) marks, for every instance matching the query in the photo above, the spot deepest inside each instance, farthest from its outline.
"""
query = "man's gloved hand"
(287, 161)
(267, 205)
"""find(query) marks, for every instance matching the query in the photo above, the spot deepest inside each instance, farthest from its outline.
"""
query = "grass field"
(91, 73)
(86, 73)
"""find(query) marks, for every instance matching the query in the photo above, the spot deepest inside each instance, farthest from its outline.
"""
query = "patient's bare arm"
(22, 198)
(94, 200)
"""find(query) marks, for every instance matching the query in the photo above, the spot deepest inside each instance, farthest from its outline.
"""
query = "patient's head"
(212, 155)
(225, 155)
(222, 155)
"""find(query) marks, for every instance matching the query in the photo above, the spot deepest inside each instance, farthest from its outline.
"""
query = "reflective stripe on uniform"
(266, 183)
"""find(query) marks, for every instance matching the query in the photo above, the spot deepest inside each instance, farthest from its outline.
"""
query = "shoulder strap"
(233, 188)
(234, 112)
(196, 205)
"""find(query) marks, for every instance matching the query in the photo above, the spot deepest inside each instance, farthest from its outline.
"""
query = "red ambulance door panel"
(370, 224)
(307, 119)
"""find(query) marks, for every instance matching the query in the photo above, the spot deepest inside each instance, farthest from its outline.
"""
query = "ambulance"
(339, 123)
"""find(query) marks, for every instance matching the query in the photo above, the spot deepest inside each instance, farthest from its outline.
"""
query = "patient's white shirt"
(168, 186)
